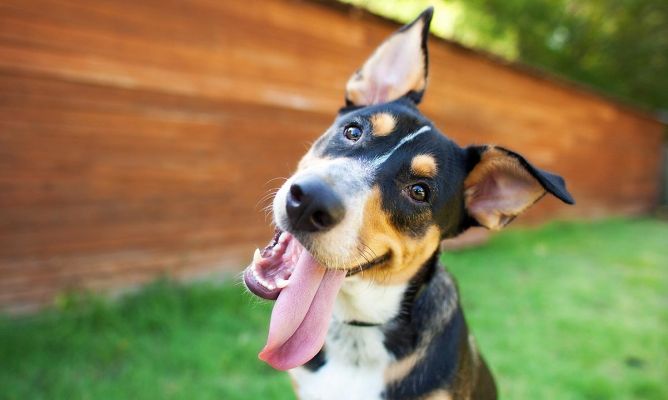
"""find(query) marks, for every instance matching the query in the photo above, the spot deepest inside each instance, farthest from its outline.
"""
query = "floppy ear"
(501, 184)
(398, 67)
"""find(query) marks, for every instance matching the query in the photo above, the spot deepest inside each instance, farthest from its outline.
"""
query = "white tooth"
(271, 287)
(282, 238)
(281, 283)
(257, 256)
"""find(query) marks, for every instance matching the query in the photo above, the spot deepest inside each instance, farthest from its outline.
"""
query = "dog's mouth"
(272, 266)
(304, 291)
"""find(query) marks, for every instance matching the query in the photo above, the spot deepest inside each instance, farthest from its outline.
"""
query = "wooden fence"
(137, 137)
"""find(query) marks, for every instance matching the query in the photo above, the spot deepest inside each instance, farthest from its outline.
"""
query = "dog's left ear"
(501, 184)
(397, 68)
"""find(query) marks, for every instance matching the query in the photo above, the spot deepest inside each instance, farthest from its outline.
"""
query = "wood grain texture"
(138, 138)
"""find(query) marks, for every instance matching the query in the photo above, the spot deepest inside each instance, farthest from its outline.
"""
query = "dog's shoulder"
(442, 358)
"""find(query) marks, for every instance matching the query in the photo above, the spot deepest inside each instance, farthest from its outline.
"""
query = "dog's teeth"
(283, 237)
(265, 283)
(257, 256)
(281, 283)
(271, 287)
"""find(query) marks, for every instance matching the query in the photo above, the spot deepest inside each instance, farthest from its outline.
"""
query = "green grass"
(572, 311)
(568, 311)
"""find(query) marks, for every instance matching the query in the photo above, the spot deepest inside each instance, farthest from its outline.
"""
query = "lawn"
(567, 311)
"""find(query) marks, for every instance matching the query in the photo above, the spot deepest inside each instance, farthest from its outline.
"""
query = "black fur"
(439, 366)
(401, 334)
(317, 362)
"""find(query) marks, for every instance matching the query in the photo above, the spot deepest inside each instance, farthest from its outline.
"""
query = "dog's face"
(375, 194)
(382, 186)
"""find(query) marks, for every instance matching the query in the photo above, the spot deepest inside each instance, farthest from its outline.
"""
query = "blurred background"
(140, 142)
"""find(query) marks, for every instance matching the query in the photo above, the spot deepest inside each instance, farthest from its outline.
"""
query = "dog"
(364, 310)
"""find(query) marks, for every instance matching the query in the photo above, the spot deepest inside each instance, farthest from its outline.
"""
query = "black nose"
(313, 206)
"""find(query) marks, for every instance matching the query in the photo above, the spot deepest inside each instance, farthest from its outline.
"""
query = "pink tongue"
(301, 315)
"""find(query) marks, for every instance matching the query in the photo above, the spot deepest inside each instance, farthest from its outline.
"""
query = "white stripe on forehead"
(378, 161)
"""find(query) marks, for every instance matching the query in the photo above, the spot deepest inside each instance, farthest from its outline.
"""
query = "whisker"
(269, 193)
(369, 253)
(269, 202)
(269, 215)
(373, 253)
(362, 252)
(267, 196)
(275, 179)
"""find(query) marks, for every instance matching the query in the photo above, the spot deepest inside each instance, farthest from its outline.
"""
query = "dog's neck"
(362, 301)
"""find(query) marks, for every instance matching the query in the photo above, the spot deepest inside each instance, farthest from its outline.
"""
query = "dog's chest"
(356, 357)
(355, 362)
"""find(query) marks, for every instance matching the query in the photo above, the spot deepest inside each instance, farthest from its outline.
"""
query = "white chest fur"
(356, 356)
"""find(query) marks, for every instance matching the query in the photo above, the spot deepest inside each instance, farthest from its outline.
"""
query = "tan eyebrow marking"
(424, 165)
(383, 124)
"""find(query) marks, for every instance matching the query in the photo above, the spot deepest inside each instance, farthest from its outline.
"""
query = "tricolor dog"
(363, 308)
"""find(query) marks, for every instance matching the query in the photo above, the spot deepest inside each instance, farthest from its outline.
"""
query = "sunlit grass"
(569, 311)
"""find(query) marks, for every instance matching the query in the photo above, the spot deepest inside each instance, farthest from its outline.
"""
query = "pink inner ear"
(502, 193)
(394, 69)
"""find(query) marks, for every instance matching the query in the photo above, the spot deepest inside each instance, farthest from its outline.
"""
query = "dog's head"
(382, 186)
(383, 182)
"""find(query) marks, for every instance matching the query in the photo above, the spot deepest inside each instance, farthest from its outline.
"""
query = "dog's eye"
(418, 192)
(352, 132)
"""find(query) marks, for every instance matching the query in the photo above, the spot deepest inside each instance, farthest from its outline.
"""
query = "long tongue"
(301, 315)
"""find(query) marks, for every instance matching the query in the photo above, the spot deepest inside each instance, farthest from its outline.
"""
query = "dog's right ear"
(397, 68)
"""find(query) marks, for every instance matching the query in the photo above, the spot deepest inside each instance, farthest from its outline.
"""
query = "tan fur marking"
(424, 165)
(400, 369)
(440, 394)
(380, 235)
(383, 124)
(495, 161)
